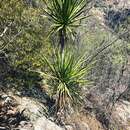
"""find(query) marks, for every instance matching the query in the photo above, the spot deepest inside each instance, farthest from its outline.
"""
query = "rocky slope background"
(106, 103)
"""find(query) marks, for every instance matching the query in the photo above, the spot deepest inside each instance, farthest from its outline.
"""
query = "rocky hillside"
(106, 103)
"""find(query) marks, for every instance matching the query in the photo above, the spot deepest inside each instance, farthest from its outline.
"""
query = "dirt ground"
(91, 121)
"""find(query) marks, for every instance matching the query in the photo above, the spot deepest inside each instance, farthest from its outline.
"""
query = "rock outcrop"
(44, 124)
(33, 108)
(10, 116)
(121, 113)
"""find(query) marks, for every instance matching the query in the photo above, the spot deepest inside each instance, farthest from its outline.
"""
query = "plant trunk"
(62, 40)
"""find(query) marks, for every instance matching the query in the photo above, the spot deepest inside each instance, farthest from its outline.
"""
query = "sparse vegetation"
(54, 47)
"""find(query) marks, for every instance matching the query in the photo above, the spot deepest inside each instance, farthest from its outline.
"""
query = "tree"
(65, 16)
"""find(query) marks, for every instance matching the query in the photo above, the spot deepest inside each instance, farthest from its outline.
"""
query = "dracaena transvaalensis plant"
(66, 74)
(65, 16)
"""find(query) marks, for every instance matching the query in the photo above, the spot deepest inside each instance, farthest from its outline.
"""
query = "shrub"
(66, 74)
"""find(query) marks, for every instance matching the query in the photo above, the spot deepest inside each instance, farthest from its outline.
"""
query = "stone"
(69, 127)
(23, 123)
(4, 96)
(44, 124)
(121, 114)
(33, 108)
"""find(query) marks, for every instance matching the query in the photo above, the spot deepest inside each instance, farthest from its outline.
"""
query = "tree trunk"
(62, 40)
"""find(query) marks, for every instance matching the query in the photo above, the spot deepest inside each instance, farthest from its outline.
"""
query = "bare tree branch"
(5, 30)
(11, 40)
